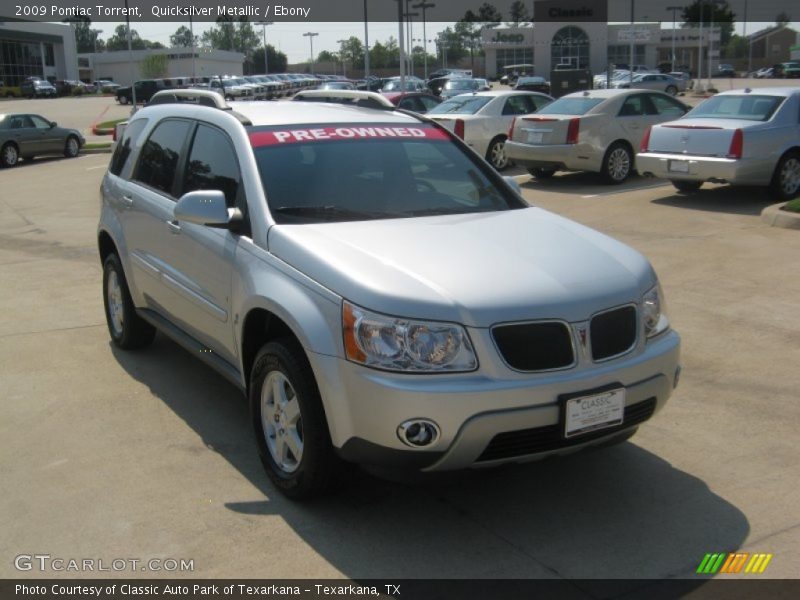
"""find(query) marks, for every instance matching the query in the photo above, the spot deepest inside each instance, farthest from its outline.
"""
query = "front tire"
(672, 90)
(496, 154)
(289, 422)
(128, 331)
(72, 147)
(785, 183)
(123, 99)
(617, 163)
(686, 186)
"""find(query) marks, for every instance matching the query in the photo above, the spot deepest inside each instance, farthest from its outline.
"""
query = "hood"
(475, 269)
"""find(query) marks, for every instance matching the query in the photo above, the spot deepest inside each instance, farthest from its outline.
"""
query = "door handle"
(127, 201)
(174, 228)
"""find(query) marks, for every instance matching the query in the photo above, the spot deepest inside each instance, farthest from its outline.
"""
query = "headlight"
(396, 344)
(654, 312)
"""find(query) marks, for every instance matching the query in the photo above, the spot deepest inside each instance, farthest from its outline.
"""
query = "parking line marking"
(97, 167)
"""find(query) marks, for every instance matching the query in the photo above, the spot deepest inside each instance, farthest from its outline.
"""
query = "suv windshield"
(371, 171)
(570, 106)
(750, 107)
(465, 105)
(460, 84)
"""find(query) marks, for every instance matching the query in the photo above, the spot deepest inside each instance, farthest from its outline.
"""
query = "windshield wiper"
(330, 212)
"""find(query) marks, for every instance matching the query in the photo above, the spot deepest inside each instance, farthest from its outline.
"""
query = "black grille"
(535, 346)
(613, 332)
(543, 439)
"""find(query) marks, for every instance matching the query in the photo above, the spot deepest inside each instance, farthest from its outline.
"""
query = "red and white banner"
(347, 132)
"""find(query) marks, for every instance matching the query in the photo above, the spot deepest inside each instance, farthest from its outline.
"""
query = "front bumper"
(364, 407)
(703, 168)
(570, 157)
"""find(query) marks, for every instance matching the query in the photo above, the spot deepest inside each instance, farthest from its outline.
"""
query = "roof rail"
(198, 97)
(357, 97)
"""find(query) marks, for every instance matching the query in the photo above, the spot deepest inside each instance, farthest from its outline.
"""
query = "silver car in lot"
(379, 292)
(482, 119)
(651, 81)
(597, 130)
(747, 137)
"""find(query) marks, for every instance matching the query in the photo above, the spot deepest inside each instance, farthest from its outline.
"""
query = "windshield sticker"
(321, 134)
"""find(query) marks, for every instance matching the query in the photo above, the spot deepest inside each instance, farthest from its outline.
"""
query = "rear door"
(50, 138)
(27, 137)
(149, 197)
(636, 114)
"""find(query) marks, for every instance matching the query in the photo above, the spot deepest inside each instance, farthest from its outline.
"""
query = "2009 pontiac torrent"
(377, 290)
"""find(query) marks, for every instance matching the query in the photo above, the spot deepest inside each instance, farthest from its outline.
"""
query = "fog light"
(418, 432)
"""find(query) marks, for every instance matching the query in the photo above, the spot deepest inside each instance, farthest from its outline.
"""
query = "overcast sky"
(288, 37)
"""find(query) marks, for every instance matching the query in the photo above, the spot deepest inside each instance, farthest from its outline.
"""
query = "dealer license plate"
(590, 413)
(679, 166)
(535, 137)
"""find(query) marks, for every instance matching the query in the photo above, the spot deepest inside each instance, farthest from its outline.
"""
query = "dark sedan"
(419, 102)
(27, 136)
(533, 84)
(38, 89)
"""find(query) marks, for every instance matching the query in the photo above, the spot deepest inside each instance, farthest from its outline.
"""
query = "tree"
(86, 38)
(222, 36)
(488, 13)
(721, 12)
(276, 61)
(154, 66)
(327, 56)
(735, 48)
(183, 38)
(452, 42)
(519, 13)
(119, 41)
(352, 52)
(469, 35)
(782, 19)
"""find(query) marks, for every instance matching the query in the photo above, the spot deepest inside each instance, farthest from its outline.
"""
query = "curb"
(96, 150)
(775, 217)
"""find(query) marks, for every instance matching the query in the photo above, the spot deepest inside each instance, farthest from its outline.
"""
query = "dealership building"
(44, 50)
(577, 33)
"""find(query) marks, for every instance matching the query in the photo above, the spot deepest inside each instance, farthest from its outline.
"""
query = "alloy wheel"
(619, 164)
(790, 177)
(281, 421)
(116, 307)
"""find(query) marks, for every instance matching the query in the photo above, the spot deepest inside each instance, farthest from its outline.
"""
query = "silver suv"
(376, 289)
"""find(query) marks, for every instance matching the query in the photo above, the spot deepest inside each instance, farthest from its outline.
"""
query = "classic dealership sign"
(555, 11)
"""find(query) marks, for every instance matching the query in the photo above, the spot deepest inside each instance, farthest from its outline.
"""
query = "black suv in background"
(144, 91)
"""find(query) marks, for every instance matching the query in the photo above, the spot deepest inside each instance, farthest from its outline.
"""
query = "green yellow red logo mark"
(734, 562)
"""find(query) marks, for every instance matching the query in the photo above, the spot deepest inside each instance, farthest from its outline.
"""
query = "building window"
(620, 54)
(20, 60)
(570, 45)
(49, 56)
(513, 56)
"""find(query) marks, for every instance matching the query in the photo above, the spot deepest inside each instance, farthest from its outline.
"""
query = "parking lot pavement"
(107, 454)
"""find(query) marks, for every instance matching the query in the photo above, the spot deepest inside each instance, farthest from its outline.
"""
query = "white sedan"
(482, 119)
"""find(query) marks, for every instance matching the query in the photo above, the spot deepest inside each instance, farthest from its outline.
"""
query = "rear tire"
(686, 186)
(9, 155)
(672, 90)
(496, 154)
(123, 99)
(785, 183)
(542, 173)
(289, 422)
(617, 163)
(128, 331)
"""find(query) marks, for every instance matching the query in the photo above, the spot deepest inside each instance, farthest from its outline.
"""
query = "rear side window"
(125, 145)
(519, 105)
(667, 106)
(160, 155)
(212, 164)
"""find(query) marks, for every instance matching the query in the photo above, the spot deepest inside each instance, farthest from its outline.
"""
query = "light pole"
(749, 44)
(401, 44)
(264, 25)
(310, 35)
(130, 56)
(341, 55)
(700, 50)
(674, 10)
(410, 40)
(633, 45)
(424, 6)
(366, 46)
(194, 64)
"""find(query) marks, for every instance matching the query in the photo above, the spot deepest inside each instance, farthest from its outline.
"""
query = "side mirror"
(53, 124)
(513, 184)
(207, 207)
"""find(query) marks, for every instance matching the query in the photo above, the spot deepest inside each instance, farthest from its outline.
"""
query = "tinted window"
(571, 106)
(667, 106)
(212, 164)
(518, 105)
(634, 106)
(752, 107)
(19, 122)
(540, 101)
(125, 145)
(160, 155)
(39, 122)
(428, 103)
(362, 172)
